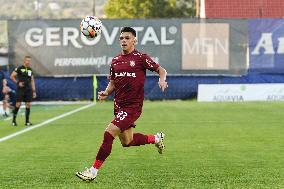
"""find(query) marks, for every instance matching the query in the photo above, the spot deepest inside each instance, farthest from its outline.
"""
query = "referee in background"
(23, 77)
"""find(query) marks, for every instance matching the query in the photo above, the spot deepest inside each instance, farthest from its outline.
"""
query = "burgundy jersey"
(129, 73)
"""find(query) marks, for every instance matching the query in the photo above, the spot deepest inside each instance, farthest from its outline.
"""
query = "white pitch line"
(44, 123)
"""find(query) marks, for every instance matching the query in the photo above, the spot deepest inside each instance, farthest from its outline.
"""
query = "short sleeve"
(149, 63)
(17, 69)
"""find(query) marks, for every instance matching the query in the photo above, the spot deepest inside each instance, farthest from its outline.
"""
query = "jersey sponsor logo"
(125, 74)
(132, 63)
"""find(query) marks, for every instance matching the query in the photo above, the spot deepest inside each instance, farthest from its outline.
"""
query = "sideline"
(45, 122)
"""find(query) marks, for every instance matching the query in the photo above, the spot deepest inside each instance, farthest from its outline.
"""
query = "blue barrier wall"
(69, 88)
(180, 87)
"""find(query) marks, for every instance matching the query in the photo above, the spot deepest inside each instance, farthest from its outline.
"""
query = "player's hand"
(21, 84)
(102, 95)
(34, 94)
(163, 85)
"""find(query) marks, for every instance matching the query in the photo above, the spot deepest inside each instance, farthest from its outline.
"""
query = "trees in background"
(149, 8)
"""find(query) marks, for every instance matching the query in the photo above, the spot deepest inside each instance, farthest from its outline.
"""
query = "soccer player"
(23, 77)
(127, 78)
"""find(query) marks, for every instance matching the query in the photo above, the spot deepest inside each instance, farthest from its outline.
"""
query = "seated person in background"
(3, 84)
(8, 100)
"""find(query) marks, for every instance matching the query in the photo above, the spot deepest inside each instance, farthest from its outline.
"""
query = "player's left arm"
(153, 66)
(163, 84)
(33, 86)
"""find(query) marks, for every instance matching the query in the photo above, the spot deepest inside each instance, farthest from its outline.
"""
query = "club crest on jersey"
(132, 63)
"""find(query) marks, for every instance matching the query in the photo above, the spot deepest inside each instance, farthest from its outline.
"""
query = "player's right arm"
(13, 77)
(102, 95)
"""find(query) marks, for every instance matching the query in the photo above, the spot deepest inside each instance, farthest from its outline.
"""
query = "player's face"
(127, 41)
(27, 62)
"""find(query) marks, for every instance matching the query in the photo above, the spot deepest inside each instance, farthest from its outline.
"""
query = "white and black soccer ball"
(91, 26)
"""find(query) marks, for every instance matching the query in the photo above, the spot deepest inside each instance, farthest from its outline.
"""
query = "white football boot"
(159, 143)
(86, 175)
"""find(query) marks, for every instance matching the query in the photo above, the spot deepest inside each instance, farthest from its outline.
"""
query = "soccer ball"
(91, 26)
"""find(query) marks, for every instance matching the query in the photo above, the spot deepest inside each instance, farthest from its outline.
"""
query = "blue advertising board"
(266, 45)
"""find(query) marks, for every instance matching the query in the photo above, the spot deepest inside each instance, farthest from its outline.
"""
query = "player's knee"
(18, 104)
(113, 130)
(125, 143)
(28, 105)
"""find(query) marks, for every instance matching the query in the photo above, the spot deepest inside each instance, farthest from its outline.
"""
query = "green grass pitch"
(208, 145)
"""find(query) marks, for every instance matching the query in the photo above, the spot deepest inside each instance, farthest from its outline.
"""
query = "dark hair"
(27, 56)
(128, 29)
